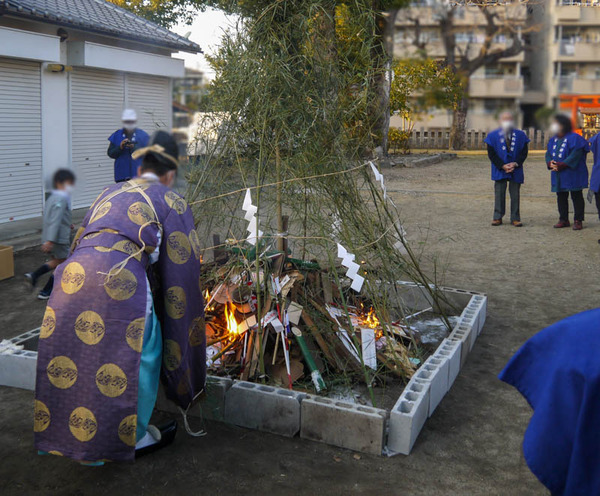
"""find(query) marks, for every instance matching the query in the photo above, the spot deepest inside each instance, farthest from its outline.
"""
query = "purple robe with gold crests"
(92, 335)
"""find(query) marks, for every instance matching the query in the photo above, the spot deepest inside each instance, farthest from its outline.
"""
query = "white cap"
(129, 115)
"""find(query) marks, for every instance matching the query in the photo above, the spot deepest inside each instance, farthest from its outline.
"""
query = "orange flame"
(207, 308)
(232, 325)
(371, 319)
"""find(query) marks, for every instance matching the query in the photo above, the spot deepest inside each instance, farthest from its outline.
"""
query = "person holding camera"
(123, 143)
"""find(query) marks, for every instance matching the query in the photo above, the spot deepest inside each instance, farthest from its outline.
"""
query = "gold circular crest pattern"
(134, 334)
(72, 278)
(41, 417)
(103, 249)
(111, 380)
(176, 202)
(101, 212)
(140, 213)
(83, 424)
(128, 247)
(175, 302)
(178, 247)
(197, 332)
(62, 372)
(48, 324)
(171, 354)
(121, 286)
(127, 430)
(195, 242)
(90, 327)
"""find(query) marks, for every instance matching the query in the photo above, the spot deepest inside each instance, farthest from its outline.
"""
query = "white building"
(67, 70)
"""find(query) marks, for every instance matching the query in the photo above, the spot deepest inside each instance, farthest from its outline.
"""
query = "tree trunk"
(380, 114)
(458, 132)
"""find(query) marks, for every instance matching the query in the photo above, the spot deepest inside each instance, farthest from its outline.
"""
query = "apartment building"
(567, 47)
(492, 88)
(560, 68)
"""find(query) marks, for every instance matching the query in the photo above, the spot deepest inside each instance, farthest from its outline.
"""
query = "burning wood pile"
(291, 323)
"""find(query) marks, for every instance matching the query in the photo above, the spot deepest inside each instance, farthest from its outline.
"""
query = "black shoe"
(167, 436)
(44, 295)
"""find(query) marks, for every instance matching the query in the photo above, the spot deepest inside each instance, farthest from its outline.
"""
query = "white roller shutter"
(97, 101)
(20, 140)
(150, 97)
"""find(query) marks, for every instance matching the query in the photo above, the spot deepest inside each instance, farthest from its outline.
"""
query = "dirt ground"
(534, 276)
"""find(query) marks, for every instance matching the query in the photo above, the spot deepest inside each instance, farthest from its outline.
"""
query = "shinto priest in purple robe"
(106, 326)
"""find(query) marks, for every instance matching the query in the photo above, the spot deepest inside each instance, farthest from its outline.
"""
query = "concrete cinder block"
(434, 371)
(408, 417)
(265, 408)
(343, 424)
(451, 351)
(462, 334)
(18, 369)
(210, 406)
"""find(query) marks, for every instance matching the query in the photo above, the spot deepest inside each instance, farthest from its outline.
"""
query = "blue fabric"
(149, 375)
(569, 179)
(508, 152)
(558, 372)
(125, 166)
(595, 179)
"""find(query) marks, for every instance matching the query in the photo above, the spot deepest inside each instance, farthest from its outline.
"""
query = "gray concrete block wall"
(18, 369)
(264, 408)
(450, 350)
(351, 426)
(435, 371)
(408, 417)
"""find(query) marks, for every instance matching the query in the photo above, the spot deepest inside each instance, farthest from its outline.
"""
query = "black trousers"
(597, 195)
(562, 199)
(500, 199)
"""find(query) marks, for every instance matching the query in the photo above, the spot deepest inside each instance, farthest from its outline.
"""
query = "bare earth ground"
(471, 446)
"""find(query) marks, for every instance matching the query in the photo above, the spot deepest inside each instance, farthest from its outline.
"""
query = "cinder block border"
(288, 413)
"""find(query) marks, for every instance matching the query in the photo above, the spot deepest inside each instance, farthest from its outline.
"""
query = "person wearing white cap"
(123, 143)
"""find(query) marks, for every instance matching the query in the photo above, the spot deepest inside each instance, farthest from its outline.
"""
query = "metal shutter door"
(20, 140)
(150, 97)
(97, 99)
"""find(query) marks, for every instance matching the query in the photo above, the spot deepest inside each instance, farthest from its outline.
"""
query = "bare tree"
(507, 19)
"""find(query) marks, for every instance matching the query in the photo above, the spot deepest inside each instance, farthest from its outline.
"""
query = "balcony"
(576, 52)
(578, 85)
(496, 87)
(583, 12)
(435, 49)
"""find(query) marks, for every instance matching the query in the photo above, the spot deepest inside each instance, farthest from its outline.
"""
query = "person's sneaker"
(497, 222)
(577, 225)
(30, 280)
(562, 223)
(517, 223)
(44, 295)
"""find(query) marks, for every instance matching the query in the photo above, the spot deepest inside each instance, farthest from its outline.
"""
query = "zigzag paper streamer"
(352, 266)
(379, 177)
(250, 216)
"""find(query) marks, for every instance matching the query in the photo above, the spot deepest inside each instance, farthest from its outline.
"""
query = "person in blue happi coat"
(566, 158)
(123, 143)
(558, 373)
(594, 190)
(507, 150)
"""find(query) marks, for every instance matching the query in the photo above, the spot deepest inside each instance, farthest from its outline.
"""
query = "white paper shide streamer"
(251, 210)
(352, 266)
(379, 177)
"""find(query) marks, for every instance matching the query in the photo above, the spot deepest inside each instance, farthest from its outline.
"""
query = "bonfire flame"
(207, 308)
(232, 325)
(371, 319)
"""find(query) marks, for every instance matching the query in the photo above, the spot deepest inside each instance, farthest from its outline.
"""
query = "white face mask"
(507, 125)
(129, 127)
(69, 188)
(555, 128)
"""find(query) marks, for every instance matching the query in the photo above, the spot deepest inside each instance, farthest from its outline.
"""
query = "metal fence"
(440, 139)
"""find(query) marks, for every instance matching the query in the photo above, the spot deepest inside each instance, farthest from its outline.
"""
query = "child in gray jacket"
(56, 231)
